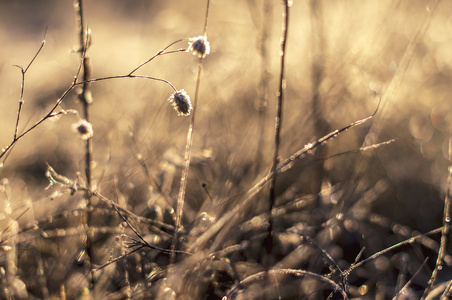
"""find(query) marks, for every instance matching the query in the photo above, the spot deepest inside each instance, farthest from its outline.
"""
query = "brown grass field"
(226, 203)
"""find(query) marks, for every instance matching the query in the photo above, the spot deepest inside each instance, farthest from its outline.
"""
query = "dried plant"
(207, 201)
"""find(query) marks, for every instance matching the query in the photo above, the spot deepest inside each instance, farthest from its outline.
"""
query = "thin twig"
(85, 98)
(188, 147)
(325, 253)
(5, 151)
(206, 18)
(100, 267)
(139, 235)
(126, 76)
(411, 280)
(49, 115)
(161, 52)
(140, 245)
(411, 240)
(446, 225)
(22, 88)
(297, 272)
(268, 241)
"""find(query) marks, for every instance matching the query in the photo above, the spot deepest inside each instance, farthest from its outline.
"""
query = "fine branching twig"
(142, 243)
(161, 52)
(22, 87)
(52, 113)
(5, 152)
(66, 183)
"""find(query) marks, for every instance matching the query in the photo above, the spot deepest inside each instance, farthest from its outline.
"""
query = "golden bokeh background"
(396, 51)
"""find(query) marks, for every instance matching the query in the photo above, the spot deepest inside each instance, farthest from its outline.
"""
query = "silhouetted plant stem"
(446, 227)
(5, 151)
(85, 98)
(278, 121)
(22, 86)
(187, 156)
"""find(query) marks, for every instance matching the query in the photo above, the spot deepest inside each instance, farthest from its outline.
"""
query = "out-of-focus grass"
(364, 43)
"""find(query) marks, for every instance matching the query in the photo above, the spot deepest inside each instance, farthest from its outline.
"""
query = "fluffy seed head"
(199, 46)
(84, 129)
(181, 103)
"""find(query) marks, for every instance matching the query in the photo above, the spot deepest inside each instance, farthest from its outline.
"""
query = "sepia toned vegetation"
(225, 149)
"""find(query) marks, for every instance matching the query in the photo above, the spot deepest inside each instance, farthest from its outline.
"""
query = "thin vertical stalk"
(446, 225)
(268, 241)
(206, 18)
(85, 98)
(187, 158)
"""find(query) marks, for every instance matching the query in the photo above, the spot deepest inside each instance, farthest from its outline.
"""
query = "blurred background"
(358, 47)
(342, 58)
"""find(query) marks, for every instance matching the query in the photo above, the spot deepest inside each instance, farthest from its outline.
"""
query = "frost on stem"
(199, 46)
(181, 103)
(84, 129)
